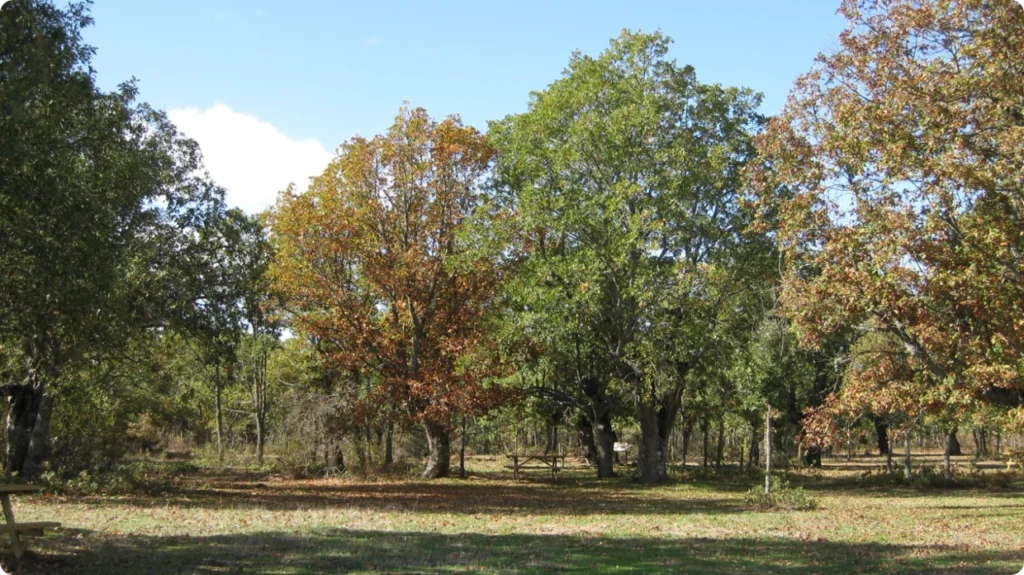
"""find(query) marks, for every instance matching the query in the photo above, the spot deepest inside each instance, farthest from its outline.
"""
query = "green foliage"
(770, 367)
(782, 496)
(138, 477)
(103, 205)
(129, 405)
(98, 194)
(621, 186)
(927, 477)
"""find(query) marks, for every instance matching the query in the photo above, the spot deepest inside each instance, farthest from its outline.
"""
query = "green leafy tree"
(98, 197)
(623, 178)
(230, 298)
(769, 372)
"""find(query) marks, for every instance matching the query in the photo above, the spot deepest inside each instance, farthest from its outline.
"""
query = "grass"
(243, 521)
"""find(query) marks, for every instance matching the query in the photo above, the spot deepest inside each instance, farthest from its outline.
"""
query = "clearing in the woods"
(237, 521)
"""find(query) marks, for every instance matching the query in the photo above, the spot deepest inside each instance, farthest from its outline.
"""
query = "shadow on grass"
(890, 485)
(893, 486)
(459, 497)
(343, 551)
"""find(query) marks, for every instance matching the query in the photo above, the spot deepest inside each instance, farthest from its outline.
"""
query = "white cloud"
(250, 158)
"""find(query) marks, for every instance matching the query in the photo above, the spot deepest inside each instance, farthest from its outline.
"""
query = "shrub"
(143, 477)
(924, 477)
(782, 496)
(933, 477)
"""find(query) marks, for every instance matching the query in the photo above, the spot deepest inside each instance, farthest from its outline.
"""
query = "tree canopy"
(624, 180)
(893, 180)
(369, 260)
(99, 196)
(636, 254)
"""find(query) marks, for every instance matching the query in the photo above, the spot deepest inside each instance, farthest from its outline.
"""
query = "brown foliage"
(894, 179)
(374, 269)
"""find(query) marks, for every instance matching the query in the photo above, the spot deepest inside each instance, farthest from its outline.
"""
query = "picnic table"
(546, 461)
(13, 527)
(1015, 458)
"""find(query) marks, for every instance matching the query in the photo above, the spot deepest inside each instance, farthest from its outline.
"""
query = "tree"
(370, 261)
(254, 362)
(259, 308)
(893, 179)
(235, 325)
(227, 292)
(769, 372)
(98, 197)
(623, 176)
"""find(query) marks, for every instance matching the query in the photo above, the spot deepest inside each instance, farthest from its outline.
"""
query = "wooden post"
(5, 499)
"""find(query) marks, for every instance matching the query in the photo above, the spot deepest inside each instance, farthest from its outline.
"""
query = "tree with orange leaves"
(373, 267)
(894, 180)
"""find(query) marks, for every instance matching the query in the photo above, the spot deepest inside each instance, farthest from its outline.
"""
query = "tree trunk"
(882, 429)
(23, 408)
(389, 445)
(599, 414)
(670, 406)
(462, 450)
(585, 432)
(755, 447)
(30, 407)
(259, 387)
(604, 443)
(368, 435)
(220, 418)
(439, 459)
(951, 442)
(687, 432)
(704, 429)
(655, 430)
(906, 456)
(260, 433)
(551, 435)
(336, 457)
(768, 452)
(362, 459)
(39, 441)
(720, 448)
(648, 459)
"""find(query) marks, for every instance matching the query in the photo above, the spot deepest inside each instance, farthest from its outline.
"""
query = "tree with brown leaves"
(373, 267)
(894, 179)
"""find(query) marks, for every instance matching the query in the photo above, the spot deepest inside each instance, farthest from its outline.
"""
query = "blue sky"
(271, 89)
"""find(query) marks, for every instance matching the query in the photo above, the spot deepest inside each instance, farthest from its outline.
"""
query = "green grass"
(245, 522)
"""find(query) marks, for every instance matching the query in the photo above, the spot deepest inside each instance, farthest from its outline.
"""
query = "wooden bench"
(16, 529)
(541, 461)
(30, 529)
(1015, 458)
